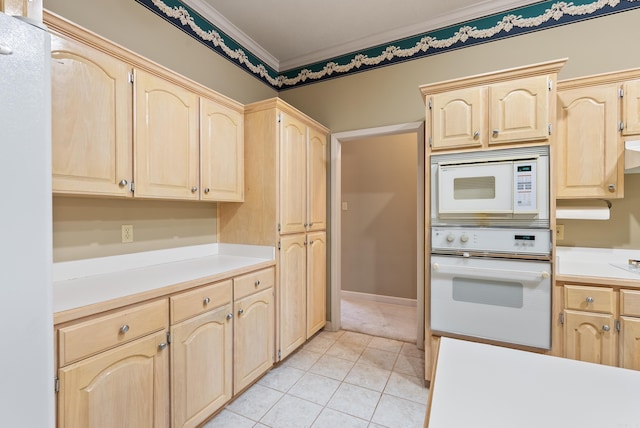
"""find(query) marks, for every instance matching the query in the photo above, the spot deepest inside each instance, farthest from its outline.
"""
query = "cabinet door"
(91, 141)
(293, 175)
(254, 338)
(127, 386)
(166, 139)
(589, 337)
(588, 143)
(631, 108)
(317, 181)
(316, 282)
(457, 119)
(201, 368)
(630, 343)
(293, 293)
(222, 152)
(519, 110)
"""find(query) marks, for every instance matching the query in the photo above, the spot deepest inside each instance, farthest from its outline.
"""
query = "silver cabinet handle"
(194, 189)
(495, 132)
(207, 190)
(162, 346)
(476, 135)
(612, 187)
(206, 301)
(124, 328)
(123, 182)
(606, 327)
(240, 311)
(589, 299)
(229, 316)
(256, 283)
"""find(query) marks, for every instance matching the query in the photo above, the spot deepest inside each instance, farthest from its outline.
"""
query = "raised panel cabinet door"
(457, 119)
(293, 175)
(317, 181)
(630, 343)
(316, 282)
(167, 150)
(201, 366)
(127, 386)
(589, 337)
(588, 143)
(91, 141)
(254, 338)
(222, 152)
(631, 108)
(519, 110)
(292, 293)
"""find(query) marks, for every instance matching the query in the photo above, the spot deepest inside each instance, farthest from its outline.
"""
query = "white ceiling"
(286, 34)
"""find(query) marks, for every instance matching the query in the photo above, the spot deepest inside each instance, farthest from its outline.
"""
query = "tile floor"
(337, 380)
(380, 319)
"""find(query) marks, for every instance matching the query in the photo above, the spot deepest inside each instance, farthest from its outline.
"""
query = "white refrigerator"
(26, 344)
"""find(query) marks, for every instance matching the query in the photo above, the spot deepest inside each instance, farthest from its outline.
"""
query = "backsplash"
(91, 227)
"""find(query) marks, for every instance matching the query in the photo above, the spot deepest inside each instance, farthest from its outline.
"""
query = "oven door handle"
(490, 273)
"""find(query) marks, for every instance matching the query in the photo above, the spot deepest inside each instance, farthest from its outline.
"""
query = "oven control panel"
(491, 240)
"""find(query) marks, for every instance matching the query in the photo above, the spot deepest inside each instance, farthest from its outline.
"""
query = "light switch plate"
(559, 232)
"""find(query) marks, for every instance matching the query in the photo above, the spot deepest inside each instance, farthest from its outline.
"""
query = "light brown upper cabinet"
(316, 180)
(92, 141)
(493, 109)
(293, 192)
(631, 107)
(589, 145)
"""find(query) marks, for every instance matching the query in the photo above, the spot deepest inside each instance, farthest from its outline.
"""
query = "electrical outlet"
(127, 233)
(559, 232)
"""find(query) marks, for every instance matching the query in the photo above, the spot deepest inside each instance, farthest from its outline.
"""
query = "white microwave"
(507, 187)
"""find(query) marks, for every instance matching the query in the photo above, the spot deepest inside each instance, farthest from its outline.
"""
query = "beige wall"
(379, 237)
(91, 227)
(143, 32)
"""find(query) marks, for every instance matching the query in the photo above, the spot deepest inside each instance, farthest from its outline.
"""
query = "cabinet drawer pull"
(476, 135)
(606, 327)
(194, 189)
(207, 190)
(589, 299)
(162, 346)
(495, 133)
(123, 182)
(124, 329)
(206, 301)
(257, 283)
(240, 311)
(229, 316)
(612, 187)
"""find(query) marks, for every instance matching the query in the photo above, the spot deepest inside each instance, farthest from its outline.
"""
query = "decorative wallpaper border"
(539, 16)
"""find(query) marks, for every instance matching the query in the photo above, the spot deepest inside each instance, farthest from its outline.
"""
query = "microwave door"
(475, 189)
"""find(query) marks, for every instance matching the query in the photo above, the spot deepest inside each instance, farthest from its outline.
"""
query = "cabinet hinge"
(616, 323)
(56, 384)
(279, 246)
(550, 84)
(550, 128)
(168, 337)
(279, 118)
(621, 126)
(430, 104)
(279, 355)
(430, 142)
(131, 77)
(132, 187)
(561, 318)
(621, 93)
(279, 228)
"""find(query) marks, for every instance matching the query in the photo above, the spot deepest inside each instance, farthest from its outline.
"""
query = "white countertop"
(86, 282)
(478, 385)
(596, 262)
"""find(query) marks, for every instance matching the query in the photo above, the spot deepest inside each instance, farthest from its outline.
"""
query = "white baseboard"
(378, 298)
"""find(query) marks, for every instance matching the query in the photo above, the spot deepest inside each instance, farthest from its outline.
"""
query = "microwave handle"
(490, 273)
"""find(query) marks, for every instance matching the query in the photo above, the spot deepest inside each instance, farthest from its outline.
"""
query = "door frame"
(335, 215)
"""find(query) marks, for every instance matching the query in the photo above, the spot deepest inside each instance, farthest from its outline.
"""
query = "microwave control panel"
(525, 197)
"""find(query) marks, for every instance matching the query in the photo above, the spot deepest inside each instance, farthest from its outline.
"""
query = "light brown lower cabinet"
(590, 337)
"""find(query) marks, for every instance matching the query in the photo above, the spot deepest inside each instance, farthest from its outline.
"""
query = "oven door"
(472, 189)
(505, 300)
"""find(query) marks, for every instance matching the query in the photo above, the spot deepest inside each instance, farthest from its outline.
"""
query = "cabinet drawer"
(250, 283)
(594, 299)
(630, 303)
(89, 337)
(203, 299)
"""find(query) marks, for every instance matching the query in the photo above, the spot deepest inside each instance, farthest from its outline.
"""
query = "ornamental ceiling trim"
(539, 16)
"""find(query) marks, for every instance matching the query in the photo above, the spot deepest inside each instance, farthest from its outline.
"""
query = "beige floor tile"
(302, 359)
(332, 335)
(226, 419)
(335, 368)
(378, 358)
(385, 344)
(315, 388)
(354, 337)
(255, 402)
(346, 350)
(355, 401)
(291, 412)
(281, 378)
(369, 377)
(318, 344)
(407, 387)
(412, 350)
(394, 412)
(409, 365)
(380, 319)
(333, 419)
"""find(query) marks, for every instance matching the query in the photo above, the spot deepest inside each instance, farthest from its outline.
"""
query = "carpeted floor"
(397, 322)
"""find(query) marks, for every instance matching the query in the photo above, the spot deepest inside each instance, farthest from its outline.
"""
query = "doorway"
(414, 132)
